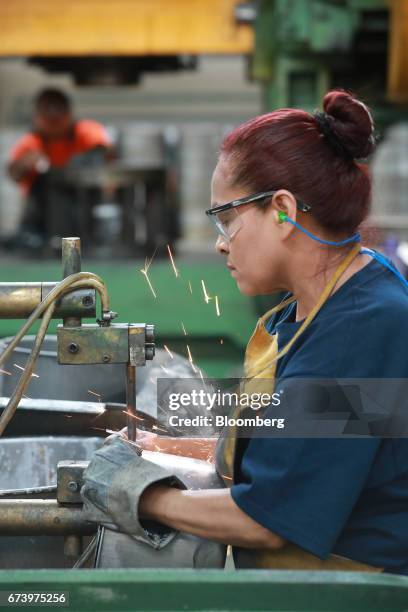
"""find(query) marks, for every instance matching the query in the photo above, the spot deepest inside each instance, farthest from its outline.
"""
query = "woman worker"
(288, 197)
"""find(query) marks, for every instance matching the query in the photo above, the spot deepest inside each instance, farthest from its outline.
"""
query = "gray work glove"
(114, 482)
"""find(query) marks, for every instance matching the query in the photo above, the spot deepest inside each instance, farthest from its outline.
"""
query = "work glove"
(114, 482)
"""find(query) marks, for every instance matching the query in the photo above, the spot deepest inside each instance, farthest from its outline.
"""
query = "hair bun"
(348, 123)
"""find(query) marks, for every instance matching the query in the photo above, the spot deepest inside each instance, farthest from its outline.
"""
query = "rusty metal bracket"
(70, 481)
(117, 343)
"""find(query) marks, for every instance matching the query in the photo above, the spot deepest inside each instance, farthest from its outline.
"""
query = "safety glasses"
(227, 219)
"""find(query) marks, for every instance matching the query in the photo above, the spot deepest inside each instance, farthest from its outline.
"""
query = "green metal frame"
(175, 590)
(296, 43)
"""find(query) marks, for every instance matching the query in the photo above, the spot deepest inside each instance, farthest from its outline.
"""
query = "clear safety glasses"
(227, 219)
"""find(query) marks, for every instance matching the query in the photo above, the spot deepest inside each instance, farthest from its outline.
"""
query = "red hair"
(313, 156)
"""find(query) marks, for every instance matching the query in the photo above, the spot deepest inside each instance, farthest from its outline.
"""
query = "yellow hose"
(75, 281)
(46, 308)
(14, 400)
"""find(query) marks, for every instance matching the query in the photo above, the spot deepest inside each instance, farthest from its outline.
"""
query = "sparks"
(5, 372)
(190, 287)
(21, 368)
(133, 415)
(172, 261)
(166, 348)
(164, 370)
(221, 341)
(148, 263)
(159, 428)
(94, 393)
(226, 477)
(144, 272)
(217, 307)
(206, 296)
(190, 358)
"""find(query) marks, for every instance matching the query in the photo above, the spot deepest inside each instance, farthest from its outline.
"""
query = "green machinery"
(305, 47)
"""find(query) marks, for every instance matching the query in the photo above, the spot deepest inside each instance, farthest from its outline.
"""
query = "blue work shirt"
(344, 496)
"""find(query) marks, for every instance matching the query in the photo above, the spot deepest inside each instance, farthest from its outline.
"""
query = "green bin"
(212, 590)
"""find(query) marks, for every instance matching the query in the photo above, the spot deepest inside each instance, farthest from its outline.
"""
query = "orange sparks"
(183, 328)
(206, 296)
(190, 287)
(133, 415)
(144, 272)
(172, 261)
(5, 372)
(217, 307)
(94, 393)
(21, 368)
(226, 477)
(190, 358)
(166, 348)
(159, 428)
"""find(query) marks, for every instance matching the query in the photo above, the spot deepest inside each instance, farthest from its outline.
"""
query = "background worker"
(57, 141)
(288, 196)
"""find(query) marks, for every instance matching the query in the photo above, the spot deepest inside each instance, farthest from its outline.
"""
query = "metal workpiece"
(42, 517)
(116, 343)
(19, 300)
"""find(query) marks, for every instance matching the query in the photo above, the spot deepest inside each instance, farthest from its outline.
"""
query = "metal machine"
(54, 510)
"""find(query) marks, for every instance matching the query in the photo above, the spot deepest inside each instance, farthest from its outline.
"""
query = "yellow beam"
(121, 27)
(398, 55)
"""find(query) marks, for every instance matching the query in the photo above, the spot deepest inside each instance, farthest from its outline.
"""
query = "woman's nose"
(222, 245)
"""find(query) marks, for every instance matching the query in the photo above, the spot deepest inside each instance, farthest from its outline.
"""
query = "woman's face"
(255, 252)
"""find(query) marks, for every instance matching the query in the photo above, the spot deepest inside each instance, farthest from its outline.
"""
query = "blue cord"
(386, 263)
(354, 238)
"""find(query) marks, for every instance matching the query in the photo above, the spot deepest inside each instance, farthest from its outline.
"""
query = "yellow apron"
(261, 357)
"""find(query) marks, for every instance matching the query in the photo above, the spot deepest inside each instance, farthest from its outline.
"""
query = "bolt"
(73, 486)
(87, 300)
(106, 358)
(73, 347)
(149, 351)
(149, 333)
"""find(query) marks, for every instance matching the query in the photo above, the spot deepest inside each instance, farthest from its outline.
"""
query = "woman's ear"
(284, 205)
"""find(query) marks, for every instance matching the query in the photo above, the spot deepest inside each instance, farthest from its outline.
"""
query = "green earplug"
(281, 217)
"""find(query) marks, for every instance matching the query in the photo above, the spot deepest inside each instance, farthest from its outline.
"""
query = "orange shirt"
(87, 135)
